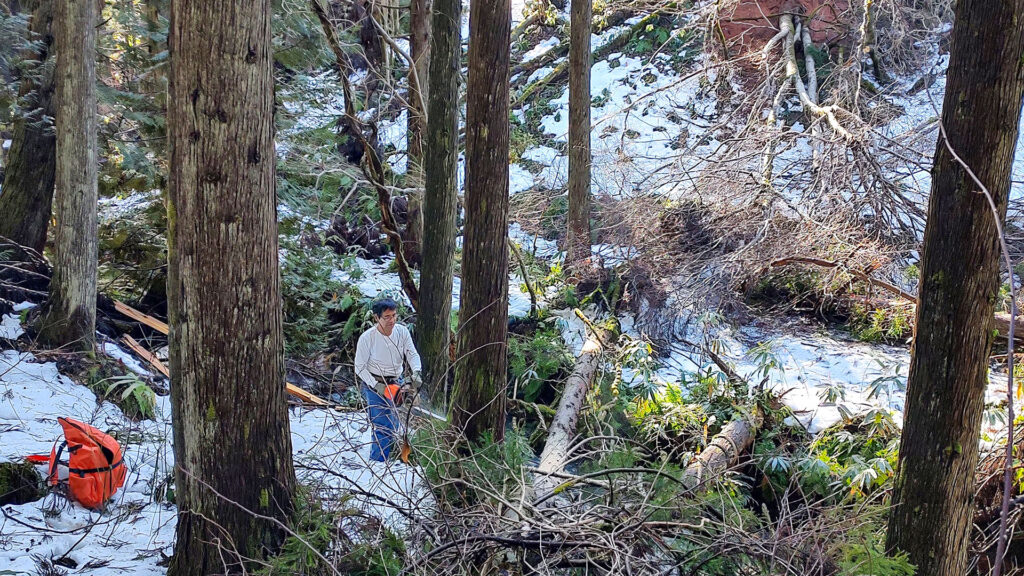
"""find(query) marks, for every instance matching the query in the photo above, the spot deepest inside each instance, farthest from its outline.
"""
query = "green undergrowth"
(869, 314)
(111, 382)
(538, 361)
(330, 538)
(321, 313)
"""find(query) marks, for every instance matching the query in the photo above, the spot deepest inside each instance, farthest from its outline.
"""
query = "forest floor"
(135, 534)
(654, 114)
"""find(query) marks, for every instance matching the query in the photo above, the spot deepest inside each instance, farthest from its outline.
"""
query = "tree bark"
(419, 47)
(231, 432)
(155, 82)
(433, 332)
(26, 196)
(934, 488)
(479, 398)
(68, 317)
(578, 221)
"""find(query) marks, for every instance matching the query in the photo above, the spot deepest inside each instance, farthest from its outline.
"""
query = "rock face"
(748, 24)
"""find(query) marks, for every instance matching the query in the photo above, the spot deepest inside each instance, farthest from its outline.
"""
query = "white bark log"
(721, 454)
(563, 427)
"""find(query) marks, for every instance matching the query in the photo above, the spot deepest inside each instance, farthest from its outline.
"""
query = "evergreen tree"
(232, 445)
(934, 489)
(26, 196)
(68, 318)
(578, 233)
(479, 397)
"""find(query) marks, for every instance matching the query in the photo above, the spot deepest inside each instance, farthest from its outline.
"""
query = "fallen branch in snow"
(563, 427)
(861, 275)
(559, 51)
(24, 273)
(526, 276)
(371, 164)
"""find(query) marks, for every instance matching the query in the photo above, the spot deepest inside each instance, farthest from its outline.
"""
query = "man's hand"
(416, 380)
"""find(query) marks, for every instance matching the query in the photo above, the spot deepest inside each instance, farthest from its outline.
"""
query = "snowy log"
(721, 454)
(563, 426)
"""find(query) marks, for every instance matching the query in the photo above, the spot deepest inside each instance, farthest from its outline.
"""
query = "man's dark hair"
(383, 304)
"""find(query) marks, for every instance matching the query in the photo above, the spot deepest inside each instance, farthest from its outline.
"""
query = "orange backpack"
(95, 466)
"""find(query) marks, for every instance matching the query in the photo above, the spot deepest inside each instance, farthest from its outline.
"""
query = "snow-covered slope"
(137, 530)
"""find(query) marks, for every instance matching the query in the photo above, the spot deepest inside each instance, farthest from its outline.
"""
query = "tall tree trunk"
(440, 198)
(232, 444)
(68, 317)
(419, 46)
(934, 489)
(156, 77)
(478, 398)
(26, 196)
(578, 233)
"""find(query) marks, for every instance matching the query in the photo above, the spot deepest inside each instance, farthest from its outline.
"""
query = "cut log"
(146, 355)
(134, 314)
(721, 454)
(563, 426)
(305, 396)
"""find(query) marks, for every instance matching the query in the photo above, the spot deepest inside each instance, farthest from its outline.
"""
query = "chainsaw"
(420, 406)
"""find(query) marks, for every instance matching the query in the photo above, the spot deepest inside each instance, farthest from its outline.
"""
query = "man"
(380, 353)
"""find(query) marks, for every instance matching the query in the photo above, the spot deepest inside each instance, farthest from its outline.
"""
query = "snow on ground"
(131, 535)
(374, 279)
(112, 209)
(643, 115)
(542, 48)
(808, 366)
(331, 454)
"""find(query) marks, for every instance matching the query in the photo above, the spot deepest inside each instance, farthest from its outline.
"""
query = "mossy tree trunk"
(232, 445)
(419, 51)
(934, 488)
(26, 197)
(433, 332)
(479, 397)
(578, 221)
(68, 318)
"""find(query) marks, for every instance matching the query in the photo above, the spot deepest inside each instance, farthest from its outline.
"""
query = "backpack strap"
(84, 471)
(52, 473)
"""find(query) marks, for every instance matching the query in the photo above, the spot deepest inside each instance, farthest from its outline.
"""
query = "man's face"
(387, 319)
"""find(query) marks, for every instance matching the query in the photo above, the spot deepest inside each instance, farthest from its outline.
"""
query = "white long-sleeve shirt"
(382, 355)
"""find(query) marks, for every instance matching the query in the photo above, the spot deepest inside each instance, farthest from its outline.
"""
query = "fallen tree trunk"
(721, 454)
(563, 426)
(560, 51)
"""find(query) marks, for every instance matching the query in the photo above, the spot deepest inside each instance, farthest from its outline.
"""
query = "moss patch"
(20, 483)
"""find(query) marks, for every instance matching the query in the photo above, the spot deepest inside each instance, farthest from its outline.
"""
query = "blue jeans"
(384, 420)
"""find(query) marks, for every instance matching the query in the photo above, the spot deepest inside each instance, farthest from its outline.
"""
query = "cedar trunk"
(478, 399)
(578, 233)
(26, 196)
(419, 51)
(68, 317)
(231, 432)
(934, 489)
(440, 199)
